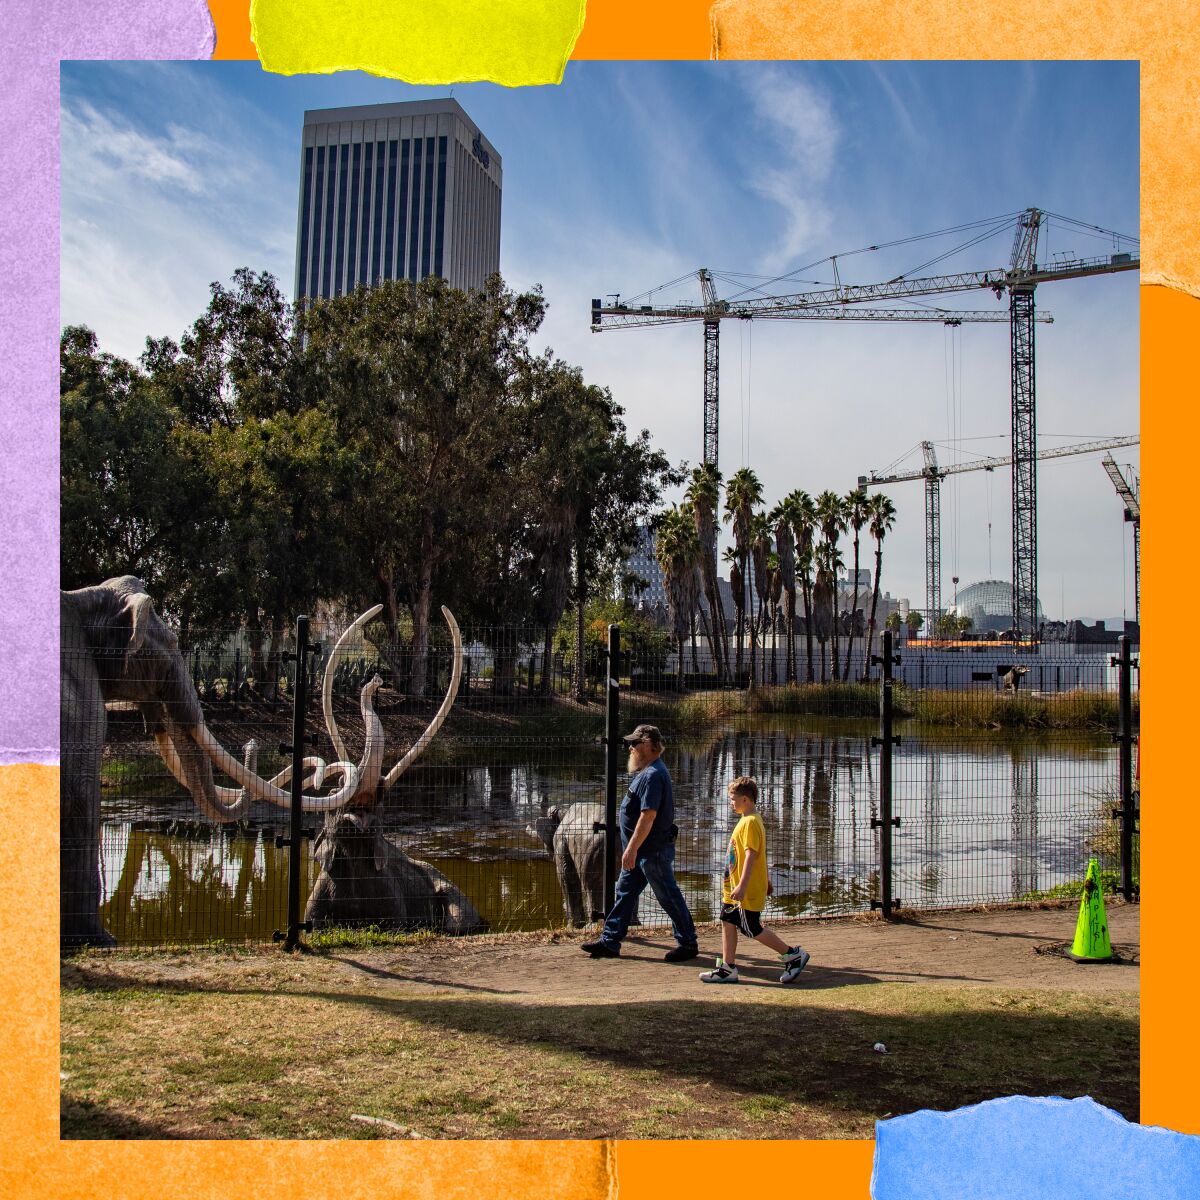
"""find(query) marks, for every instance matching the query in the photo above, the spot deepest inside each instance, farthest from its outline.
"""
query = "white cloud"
(800, 119)
(151, 217)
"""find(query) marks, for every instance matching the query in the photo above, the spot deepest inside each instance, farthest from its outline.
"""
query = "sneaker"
(720, 974)
(682, 954)
(601, 949)
(794, 961)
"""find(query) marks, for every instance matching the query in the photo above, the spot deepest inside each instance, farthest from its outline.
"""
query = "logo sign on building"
(479, 152)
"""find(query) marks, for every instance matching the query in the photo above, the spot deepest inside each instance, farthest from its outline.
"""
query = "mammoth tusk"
(232, 804)
(442, 712)
(339, 649)
(270, 789)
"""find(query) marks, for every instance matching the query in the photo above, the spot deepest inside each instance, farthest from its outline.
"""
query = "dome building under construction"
(989, 605)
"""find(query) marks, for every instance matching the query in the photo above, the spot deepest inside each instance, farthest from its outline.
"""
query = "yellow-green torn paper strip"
(511, 42)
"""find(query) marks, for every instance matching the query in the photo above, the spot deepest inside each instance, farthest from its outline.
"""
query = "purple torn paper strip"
(1032, 1148)
(37, 37)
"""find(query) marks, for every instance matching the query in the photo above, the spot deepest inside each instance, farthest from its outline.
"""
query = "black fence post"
(291, 941)
(612, 742)
(885, 822)
(1127, 813)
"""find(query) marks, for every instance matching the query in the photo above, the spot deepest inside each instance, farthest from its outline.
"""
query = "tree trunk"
(871, 623)
(420, 612)
(853, 610)
(806, 594)
(789, 605)
(580, 604)
(547, 661)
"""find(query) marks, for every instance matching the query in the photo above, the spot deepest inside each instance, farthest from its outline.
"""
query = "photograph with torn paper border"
(417, 626)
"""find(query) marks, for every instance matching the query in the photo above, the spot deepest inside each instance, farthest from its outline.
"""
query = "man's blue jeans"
(653, 868)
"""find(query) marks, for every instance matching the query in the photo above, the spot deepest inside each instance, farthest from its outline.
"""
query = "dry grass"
(267, 1045)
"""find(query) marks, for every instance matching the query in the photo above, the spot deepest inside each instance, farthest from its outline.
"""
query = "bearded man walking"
(647, 820)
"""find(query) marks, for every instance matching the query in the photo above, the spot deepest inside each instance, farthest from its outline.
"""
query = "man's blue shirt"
(649, 791)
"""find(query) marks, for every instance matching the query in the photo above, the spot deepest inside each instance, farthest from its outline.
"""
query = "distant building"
(642, 565)
(395, 191)
(989, 605)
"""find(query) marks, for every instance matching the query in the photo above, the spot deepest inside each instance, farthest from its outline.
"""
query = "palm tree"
(831, 516)
(677, 549)
(760, 551)
(775, 594)
(856, 514)
(881, 516)
(785, 543)
(703, 495)
(737, 586)
(802, 517)
(824, 602)
(743, 493)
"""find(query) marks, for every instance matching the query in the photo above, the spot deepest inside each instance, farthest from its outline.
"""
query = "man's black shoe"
(682, 954)
(601, 949)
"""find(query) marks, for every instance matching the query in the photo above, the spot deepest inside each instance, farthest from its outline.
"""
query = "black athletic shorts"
(750, 923)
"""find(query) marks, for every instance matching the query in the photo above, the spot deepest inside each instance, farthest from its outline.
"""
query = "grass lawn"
(258, 1044)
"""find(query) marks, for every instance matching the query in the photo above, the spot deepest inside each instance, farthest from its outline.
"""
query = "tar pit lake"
(984, 818)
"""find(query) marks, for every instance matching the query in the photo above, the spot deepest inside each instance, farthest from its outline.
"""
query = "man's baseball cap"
(643, 733)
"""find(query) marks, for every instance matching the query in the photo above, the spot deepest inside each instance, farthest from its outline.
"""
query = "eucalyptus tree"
(881, 518)
(743, 493)
(428, 384)
(275, 465)
(857, 514)
(832, 519)
(703, 495)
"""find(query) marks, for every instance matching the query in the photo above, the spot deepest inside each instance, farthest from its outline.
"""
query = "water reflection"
(982, 819)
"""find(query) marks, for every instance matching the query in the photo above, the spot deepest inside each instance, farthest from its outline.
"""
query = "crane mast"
(1019, 279)
(1133, 514)
(933, 474)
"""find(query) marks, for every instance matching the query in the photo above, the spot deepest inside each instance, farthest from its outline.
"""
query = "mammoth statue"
(1011, 679)
(116, 647)
(577, 848)
(365, 880)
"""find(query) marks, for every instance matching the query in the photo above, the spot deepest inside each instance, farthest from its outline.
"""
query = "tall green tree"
(857, 513)
(743, 493)
(425, 384)
(801, 515)
(704, 495)
(785, 544)
(677, 548)
(832, 519)
(882, 516)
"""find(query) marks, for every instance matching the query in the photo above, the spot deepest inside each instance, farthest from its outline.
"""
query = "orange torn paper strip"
(510, 42)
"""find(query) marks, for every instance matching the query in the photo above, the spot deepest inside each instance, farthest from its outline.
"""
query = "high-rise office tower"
(395, 191)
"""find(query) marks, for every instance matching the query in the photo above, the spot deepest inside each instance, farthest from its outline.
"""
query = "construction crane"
(714, 310)
(933, 474)
(1019, 279)
(1127, 489)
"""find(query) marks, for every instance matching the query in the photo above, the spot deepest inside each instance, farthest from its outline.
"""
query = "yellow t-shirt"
(748, 834)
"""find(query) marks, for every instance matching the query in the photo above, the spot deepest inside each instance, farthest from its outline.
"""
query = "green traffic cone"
(1091, 943)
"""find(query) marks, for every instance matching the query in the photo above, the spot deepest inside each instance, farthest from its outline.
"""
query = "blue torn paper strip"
(1032, 1148)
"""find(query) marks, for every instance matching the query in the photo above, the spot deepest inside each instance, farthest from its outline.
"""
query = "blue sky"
(629, 175)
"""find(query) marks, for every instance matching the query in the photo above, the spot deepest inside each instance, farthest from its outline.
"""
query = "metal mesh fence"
(1004, 788)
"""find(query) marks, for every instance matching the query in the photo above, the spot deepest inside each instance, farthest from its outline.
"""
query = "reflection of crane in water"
(930, 878)
(1024, 822)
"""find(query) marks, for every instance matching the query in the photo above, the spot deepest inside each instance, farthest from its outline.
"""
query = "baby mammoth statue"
(577, 848)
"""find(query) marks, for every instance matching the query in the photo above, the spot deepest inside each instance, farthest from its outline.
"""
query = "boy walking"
(745, 891)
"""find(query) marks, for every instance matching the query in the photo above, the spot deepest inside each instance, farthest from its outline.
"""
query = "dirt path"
(979, 949)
